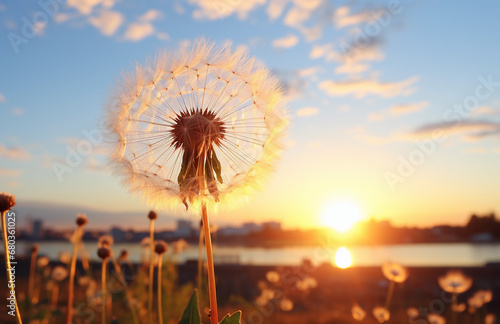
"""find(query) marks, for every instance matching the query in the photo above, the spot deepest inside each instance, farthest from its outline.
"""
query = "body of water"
(453, 254)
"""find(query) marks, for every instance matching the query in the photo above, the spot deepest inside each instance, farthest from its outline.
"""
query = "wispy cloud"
(398, 109)
(307, 111)
(286, 42)
(363, 87)
(218, 9)
(18, 111)
(343, 17)
(86, 7)
(275, 8)
(2, 98)
(107, 21)
(407, 108)
(11, 173)
(471, 130)
(14, 153)
(138, 31)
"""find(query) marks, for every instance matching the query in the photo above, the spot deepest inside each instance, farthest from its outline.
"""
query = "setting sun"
(341, 215)
(343, 258)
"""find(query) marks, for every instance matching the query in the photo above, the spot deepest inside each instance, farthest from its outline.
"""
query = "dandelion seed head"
(7, 201)
(459, 308)
(490, 319)
(65, 257)
(485, 296)
(59, 273)
(42, 262)
(179, 246)
(161, 247)
(202, 125)
(412, 313)
(105, 241)
(395, 272)
(382, 314)
(267, 294)
(145, 242)
(81, 219)
(455, 282)
(273, 276)
(286, 305)
(358, 313)
(436, 319)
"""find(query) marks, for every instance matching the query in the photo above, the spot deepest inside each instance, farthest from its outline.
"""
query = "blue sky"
(364, 82)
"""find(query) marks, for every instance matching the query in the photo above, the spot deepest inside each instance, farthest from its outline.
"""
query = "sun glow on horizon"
(341, 215)
(343, 258)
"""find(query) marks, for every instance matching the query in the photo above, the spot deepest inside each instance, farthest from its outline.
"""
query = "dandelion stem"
(160, 310)
(151, 269)
(128, 296)
(210, 260)
(200, 258)
(55, 296)
(31, 288)
(389, 294)
(71, 286)
(9, 268)
(103, 290)
(454, 308)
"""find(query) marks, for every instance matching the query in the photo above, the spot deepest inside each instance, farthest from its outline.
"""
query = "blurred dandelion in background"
(286, 305)
(382, 314)
(412, 313)
(459, 307)
(455, 282)
(396, 273)
(59, 273)
(490, 319)
(358, 313)
(272, 276)
(436, 319)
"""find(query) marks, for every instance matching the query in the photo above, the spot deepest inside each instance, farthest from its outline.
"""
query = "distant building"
(252, 227)
(276, 226)
(36, 229)
(184, 228)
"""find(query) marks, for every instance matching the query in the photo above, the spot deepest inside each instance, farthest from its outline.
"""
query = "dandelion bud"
(7, 201)
(123, 255)
(104, 252)
(152, 215)
(81, 219)
(35, 248)
(161, 247)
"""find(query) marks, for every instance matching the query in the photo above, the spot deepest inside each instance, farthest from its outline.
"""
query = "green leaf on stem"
(191, 314)
(231, 319)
